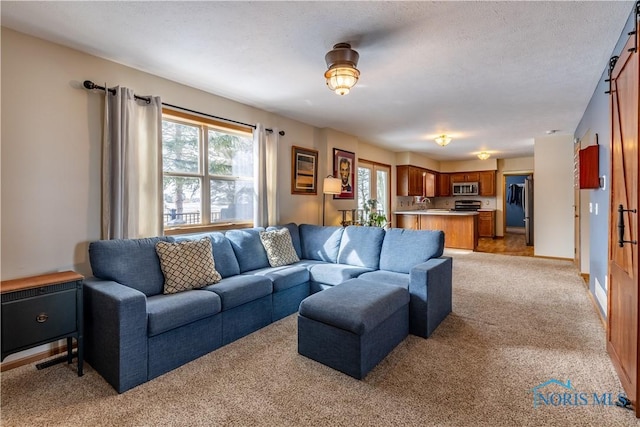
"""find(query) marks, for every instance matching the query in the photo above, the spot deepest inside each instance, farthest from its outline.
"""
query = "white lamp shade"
(331, 185)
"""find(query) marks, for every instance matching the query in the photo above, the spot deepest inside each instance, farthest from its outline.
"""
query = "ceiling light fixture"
(484, 155)
(342, 74)
(443, 140)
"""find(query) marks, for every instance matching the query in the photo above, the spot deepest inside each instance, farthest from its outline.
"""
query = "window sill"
(173, 231)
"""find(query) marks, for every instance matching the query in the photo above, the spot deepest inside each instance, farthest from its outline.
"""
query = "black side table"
(41, 309)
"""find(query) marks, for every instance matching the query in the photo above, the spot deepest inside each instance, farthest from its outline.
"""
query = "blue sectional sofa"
(134, 332)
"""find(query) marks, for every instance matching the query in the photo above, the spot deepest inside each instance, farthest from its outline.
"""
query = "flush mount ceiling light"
(443, 140)
(484, 155)
(342, 74)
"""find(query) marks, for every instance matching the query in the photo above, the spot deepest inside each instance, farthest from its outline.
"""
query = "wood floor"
(511, 244)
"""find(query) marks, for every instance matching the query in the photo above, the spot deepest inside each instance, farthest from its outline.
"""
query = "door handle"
(621, 240)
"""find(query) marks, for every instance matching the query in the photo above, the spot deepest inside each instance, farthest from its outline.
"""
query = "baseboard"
(553, 257)
(596, 307)
(585, 277)
(6, 366)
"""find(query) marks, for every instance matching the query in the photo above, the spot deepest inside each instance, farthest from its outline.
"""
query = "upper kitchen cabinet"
(415, 181)
(409, 181)
(429, 184)
(487, 183)
(465, 177)
(444, 185)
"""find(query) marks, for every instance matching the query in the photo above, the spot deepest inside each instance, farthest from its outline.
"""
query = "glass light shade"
(484, 155)
(331, 185)
(443, 140)
(341, 79)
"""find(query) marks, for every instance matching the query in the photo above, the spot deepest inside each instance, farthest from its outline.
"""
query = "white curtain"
(131, 166)
(265, 211)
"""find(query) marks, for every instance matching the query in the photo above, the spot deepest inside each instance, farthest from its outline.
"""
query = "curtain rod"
(88, 84)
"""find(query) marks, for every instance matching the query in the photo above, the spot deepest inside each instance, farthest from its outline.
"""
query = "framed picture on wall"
(304, 170)
(344, 163)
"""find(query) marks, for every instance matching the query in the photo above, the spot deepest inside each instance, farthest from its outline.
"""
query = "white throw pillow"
(187, 265)
(279, 247)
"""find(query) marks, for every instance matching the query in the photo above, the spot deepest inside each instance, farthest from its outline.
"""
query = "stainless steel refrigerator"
(527, 205)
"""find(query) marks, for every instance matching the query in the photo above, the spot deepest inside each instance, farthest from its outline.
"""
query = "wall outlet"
(596, 208)
(590, 207)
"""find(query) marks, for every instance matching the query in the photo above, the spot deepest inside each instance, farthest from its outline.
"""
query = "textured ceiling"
(494, 75)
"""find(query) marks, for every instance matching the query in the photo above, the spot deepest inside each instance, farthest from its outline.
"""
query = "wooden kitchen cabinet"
(444, 185)
(409, 181)
(487, 183)
(487, 223)
(410, 222)
(429, 184)
(415, 181)
(460, 231)
(465, 177)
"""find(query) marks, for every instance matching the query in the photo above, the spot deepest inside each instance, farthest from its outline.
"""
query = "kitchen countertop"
(435, 212)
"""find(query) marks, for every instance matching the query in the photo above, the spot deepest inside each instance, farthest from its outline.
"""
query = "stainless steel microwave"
(464, 188)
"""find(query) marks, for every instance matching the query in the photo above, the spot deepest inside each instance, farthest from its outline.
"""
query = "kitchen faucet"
(423, 201)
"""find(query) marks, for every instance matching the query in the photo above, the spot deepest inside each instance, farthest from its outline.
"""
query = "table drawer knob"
(42, 317)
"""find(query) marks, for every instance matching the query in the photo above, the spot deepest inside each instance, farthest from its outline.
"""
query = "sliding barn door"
(622, 332)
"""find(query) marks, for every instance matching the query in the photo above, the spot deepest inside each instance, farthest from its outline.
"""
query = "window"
(207, 173)
(374, 183)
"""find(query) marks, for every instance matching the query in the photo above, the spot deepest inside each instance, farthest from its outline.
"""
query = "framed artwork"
(343, 168)
(304, 170)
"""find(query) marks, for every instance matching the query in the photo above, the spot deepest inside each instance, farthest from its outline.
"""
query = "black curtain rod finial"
(88, 84)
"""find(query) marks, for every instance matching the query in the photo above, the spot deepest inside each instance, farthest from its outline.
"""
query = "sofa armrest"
(116, 332)
(430, 289)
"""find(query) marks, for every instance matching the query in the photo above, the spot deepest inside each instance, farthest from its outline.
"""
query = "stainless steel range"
(467, 205)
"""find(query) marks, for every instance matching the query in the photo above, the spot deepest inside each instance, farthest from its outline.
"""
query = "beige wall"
(553, 196)
(51, 144)
(469, 165)
(415, 159)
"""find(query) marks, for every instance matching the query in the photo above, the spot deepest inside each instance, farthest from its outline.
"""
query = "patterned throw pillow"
(279, 247)
(187, 265)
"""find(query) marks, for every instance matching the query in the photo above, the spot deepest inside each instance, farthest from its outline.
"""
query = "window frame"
(203, 123)
(374, 167)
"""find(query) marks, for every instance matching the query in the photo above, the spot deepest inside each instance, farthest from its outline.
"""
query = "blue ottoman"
(351, 327)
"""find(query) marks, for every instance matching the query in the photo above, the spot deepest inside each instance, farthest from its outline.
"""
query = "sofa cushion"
(360, 246)
(279, 247)
(320, 243)
(283, 277)
(403, 249)
(166, 312)
(241, 289)
(248, 248)
(295, 235)
(356, 306)
(334, 274)
(223, 255)
(187, 265)
(387, 277)
(131, 262)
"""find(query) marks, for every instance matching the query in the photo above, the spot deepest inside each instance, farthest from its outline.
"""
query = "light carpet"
(517, 323)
